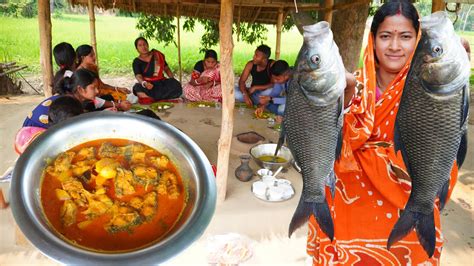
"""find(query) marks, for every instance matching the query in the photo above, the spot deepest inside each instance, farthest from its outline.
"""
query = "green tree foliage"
(163, 29)
(19, 8)
(158, 28)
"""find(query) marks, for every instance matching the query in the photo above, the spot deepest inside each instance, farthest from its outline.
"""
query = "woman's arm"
(168, 72)
(143, 82)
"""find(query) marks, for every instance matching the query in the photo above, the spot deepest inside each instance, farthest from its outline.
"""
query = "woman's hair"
(138, 39)
(267, 51)
(279, 67)
(64, 56)
(63, 108)
(210, 53)
(392, 8)
(83, 50)
(81, 78)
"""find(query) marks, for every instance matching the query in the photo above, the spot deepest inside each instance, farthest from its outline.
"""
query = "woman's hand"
(124, 106)
(147, 85)
(350, 88)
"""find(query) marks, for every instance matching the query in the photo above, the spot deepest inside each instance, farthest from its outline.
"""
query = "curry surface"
(116, 222)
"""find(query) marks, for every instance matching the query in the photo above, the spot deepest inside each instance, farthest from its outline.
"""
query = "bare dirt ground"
(265, 223)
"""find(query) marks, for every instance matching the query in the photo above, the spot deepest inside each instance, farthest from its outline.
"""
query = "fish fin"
(400, 146)
(281, 139)
(426, 233)
(340, 122)
(425, 230)
(443, 195)
(321, 213)
(465, 113)
(462, 151)
(404, 225)
(331, 183)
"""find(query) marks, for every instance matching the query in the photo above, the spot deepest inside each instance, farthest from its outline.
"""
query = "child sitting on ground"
(60, 109)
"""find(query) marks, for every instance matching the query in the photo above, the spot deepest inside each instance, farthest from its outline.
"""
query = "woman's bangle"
(113, 104)
(143, 83)
(196, 81)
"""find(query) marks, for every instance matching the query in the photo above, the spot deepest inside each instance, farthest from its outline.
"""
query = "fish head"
(444, 64)
(319, 69)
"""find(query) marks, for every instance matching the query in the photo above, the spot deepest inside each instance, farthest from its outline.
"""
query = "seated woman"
(86, 59)
(65, 57)
(77, 90)
(149, 68)
(205, 84)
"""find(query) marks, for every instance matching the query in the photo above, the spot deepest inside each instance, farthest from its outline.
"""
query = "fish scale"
(426, 124)
(314, 155)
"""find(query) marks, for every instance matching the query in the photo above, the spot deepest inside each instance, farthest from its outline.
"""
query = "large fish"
(313, 121)
(431, 125)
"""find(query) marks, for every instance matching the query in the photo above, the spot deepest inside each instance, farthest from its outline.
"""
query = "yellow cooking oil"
(271, 158)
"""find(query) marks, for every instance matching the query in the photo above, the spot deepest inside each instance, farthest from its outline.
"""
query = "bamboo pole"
(328, 13)
(44, 23)
(90, 8)
(437, 5)
(278, 37)
(179, 44)
(227, 85)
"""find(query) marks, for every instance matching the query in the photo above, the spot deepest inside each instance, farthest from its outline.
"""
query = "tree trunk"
(348, 27)
(90, 8)
(227, 85)
(44, 22)
(437, 5)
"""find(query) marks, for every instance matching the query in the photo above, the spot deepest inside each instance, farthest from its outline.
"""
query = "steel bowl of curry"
(113, 188)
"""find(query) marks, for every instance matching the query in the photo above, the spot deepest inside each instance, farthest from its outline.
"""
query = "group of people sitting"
(77, 87)
(269, 79)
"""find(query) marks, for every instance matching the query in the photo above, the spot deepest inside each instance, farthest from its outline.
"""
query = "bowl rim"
(63, 252)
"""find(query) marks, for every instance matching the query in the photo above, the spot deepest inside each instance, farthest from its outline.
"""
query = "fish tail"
(425, 230)
(321, 213)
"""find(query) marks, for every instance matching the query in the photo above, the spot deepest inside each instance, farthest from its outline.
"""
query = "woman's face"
(89, 59)
(142, 47)
(89, 92)
(395, 41)
(210, 63)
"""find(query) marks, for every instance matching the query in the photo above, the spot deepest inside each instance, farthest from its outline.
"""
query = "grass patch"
(19, 41)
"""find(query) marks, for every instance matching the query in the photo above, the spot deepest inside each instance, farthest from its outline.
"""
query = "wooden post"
(328, 12)
(437, 5)
(278, 37)
(44, 23)
(90, 7)
(179, 44)
(227, 85)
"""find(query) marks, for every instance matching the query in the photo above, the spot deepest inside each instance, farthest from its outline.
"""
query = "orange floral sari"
(372, 185)
(104, 90)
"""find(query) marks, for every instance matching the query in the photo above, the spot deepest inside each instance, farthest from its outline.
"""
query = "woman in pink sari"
(205, 84)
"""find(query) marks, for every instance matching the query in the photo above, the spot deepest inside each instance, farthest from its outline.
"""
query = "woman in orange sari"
(86, 59)
(372, 185)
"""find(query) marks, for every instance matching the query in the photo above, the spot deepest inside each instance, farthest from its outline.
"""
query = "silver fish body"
(313, 121)
(431, 123)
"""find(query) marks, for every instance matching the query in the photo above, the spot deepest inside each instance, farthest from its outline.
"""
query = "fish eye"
(315, 59)
(437, 49)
